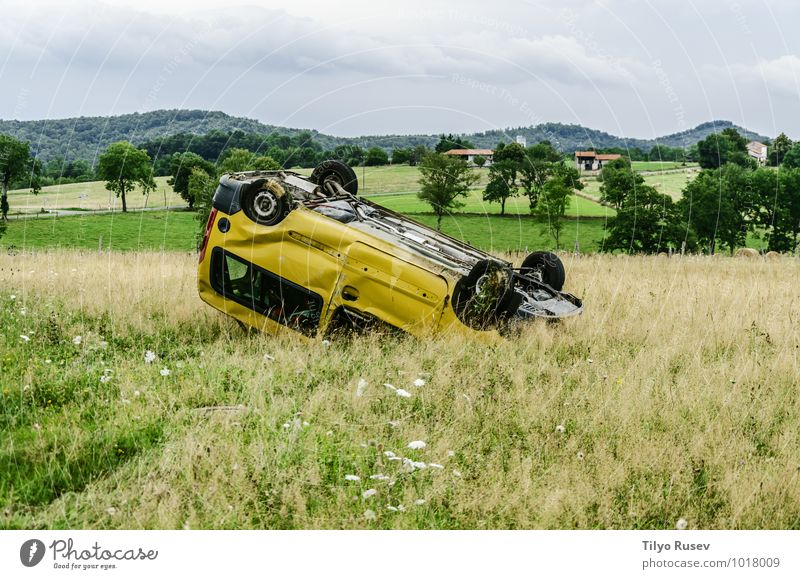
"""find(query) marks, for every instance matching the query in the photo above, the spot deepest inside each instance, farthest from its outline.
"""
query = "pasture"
(125, 402)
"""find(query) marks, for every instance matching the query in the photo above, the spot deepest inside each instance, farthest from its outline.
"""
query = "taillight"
(209, 224)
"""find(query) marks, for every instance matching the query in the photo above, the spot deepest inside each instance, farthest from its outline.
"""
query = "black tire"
(475, 312)
(265, 207)
(332, 170)
(547, 267)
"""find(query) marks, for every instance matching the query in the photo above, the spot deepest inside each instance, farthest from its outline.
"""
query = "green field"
(474, 203)
(659, 165)
(91, 196)
(154, 230)
(671, 184)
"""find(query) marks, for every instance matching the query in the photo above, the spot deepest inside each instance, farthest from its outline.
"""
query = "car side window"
(268, 294)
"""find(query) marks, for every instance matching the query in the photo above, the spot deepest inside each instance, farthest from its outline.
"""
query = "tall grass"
(673, 396)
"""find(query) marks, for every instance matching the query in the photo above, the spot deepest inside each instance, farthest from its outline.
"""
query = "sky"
(638, 68)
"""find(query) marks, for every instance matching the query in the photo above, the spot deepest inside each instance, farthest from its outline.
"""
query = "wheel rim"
(265, 206)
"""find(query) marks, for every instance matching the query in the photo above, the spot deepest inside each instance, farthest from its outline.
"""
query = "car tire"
(332, 170)
(547, 266)
(465, 296)
(265, 206)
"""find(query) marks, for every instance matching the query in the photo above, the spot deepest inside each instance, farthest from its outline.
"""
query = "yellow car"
(282, 250)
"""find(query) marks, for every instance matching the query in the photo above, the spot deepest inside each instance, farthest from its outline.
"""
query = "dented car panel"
(282, 250)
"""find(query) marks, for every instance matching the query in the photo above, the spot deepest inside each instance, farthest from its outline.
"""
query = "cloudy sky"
(640, 68)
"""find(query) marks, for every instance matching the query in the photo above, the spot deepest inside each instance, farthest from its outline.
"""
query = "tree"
(717, 149)
(182, 165)
(375, 157)
(503, 184)
(417, 154)
(778, 206)
(16, 164)
(648, 222)
(236, 160)
(400, 156)
(719, 205)
(538, 165)
(124, 167)
(554, 199)
(618, 182)
(201, 187)
(479, 161)
(780, 146)
(450, 142)
(444, 179)
(791, 159)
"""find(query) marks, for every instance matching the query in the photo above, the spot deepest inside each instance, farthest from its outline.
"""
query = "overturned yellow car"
(282, 250)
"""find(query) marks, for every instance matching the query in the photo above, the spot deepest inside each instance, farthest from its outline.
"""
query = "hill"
(83, 137)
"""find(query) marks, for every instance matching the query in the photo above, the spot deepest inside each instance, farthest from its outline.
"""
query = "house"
(591, 161)
(522, 141)
(757, 151)
(469, 155)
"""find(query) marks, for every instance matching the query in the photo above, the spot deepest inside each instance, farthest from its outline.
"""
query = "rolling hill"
(84, 137)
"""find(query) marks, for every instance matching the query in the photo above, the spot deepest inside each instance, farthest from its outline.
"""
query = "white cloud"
(780, 76)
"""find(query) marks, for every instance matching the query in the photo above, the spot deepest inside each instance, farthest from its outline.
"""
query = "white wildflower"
(451, 453)
(105, 379)
(419, 465)
(12, 296)
(388, 454)
(103, 344)
(419, 382)
(23, 312)
(369, 514)
(589, 360)
(417, 444)
(361, 387)
(26, 387)
(391, 508)
(580, 456)
(352, 477)
(457, 473)
(435, 465)
(77, 340)
(136, 393)
(24, 338)
(111, 510)
(164, 371)
(48, 361)
(378, 477)
(125, 401)
(306, 423)
(401, 508)
(390, 387)
(286, 426)
(149, 357)
(368, 493)
(419, 502)
(37, 426)
(268, 358)
(396, 458)
(394, 423)
(681, 524)
(560, 429)
(403, 393)
(326, 342)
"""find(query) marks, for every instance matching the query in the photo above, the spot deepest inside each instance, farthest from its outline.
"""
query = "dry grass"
(676, 390)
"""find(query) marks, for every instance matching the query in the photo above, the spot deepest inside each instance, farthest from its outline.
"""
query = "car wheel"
(547, 267)
(265, 206)
(485, 294)
(337, 172)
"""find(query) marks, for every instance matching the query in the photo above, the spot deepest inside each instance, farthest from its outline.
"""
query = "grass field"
(91, 196)
(155, 230)
(660, 165)
(673, 396)
(671, 184)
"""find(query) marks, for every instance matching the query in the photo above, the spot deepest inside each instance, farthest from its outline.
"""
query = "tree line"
(731, 197)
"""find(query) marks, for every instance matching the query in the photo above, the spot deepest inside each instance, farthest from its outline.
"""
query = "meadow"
(90, 196)
(125, 402)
